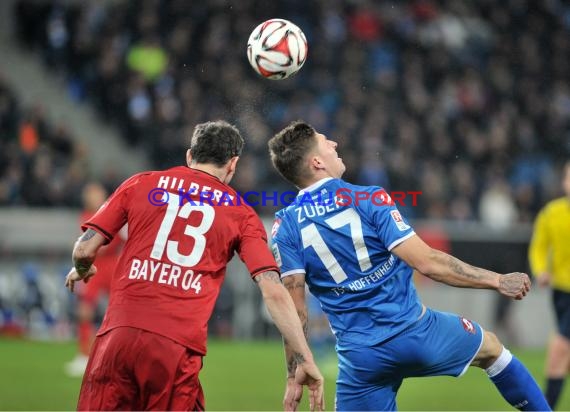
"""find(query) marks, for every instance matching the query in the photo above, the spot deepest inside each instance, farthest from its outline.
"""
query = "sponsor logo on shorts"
(467, 325)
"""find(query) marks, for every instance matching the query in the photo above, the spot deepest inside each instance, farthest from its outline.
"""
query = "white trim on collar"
(314, 185)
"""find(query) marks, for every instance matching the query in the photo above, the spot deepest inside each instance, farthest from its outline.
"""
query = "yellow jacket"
(549, 249)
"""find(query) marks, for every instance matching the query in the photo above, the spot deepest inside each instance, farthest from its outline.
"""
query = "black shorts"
(561, 302)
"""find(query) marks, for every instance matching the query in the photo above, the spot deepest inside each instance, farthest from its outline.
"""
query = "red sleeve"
(112, 215)
(253, 248)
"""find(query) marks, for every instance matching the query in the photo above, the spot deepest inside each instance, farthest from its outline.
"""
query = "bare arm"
(295, 285)
(85, 251)
(284, 314)
(447, 269)
(83, 256)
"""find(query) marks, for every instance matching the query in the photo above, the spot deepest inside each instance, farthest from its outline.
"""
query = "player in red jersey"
(93, 195)
(148, 352)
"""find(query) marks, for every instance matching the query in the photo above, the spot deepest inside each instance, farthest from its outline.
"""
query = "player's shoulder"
(244, 209)
(172, 171)
(281, 216)
(135, 179)
(142, 180)
(282, 221)
(556, 206)
(280, 213)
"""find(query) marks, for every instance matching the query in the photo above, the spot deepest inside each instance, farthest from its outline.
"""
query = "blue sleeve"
(391, 227)
(285, 249)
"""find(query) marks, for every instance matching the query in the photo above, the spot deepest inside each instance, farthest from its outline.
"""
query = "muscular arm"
(295, 285)
(284, 314)
(301, 368)
(83, 257)
(447, 269)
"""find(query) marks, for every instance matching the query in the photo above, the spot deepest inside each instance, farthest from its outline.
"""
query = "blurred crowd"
(467, 102)
(40, 163)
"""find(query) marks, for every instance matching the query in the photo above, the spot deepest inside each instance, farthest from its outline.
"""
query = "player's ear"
(188, 157)
(316, 163)
(232, 164)
(230, 169)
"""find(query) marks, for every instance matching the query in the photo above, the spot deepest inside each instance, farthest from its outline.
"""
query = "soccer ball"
(277, 49)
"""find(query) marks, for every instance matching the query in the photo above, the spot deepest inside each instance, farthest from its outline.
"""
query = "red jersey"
(113, 249)
(184, 226)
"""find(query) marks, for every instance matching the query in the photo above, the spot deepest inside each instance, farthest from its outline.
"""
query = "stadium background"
(467, 102)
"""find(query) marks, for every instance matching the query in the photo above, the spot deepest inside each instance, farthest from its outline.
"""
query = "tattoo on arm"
(87, 235)
(458, 267)
(292, 284)
(511, 285)
(304, 321)
(292, 362)
(294, 358)
(299, 358)
(82, 266)
(82, 261)
(272, 276)
(291, 366)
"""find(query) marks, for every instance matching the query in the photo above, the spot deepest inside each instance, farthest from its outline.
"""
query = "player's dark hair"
(215, 143)
(288, 150)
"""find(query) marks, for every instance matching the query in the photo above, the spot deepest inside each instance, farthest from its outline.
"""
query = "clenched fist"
(514, 285)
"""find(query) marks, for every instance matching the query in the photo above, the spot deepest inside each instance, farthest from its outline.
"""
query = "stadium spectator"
(358, 259)
(416, 83)
(549, 256)
(90, 294)
(148, 352)
(39, 161)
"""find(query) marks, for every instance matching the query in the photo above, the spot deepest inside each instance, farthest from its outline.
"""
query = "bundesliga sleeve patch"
(399, 221)
(275, 227)
(276, 254)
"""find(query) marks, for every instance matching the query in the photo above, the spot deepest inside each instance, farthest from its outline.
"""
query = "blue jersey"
(340, 236)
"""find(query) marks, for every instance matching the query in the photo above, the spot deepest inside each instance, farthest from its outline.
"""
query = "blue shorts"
(438, 343)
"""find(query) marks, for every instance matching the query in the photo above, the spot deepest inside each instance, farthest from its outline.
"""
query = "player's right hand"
(514, 285)
(73, 277)
(308, 374)
(293, 395)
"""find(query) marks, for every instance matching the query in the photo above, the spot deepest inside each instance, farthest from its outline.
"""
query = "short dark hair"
(215, 142)
(288, 150)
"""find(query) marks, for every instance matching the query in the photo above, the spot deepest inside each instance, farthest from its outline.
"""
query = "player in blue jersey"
(357, 255)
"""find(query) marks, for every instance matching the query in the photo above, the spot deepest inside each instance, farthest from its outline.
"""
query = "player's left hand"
(73, 277)
(293, 395)
(308, 373)
(514, 285)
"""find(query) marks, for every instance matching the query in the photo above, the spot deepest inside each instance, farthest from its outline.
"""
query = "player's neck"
(217, 172)
(316, 179)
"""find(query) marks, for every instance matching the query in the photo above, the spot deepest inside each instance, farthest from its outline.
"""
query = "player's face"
(566, 180)
(328, 156)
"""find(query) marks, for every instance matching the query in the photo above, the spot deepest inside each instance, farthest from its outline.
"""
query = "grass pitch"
(237, 376)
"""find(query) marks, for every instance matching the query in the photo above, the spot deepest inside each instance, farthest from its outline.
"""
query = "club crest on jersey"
(275, 227)
(467, 325)
(399, 221)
